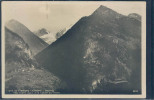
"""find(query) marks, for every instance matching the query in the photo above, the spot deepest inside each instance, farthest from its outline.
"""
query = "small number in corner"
(135, 91)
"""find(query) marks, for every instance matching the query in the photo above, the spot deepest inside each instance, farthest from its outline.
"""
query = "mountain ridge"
(35, 43)
(22, 70)
(98, 47)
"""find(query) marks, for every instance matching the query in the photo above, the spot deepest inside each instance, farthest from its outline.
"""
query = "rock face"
(22, 71)
(102, 48)
(35, 43)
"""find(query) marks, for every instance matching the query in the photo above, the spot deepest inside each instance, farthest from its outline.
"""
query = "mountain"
(22, 72)
(136, 16)
(35, 43)
(62, 32)
(99, 54)
(49, 37)
(45, 35)
(41, 32)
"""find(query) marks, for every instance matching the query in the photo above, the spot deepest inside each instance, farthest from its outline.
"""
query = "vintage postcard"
(73, 49)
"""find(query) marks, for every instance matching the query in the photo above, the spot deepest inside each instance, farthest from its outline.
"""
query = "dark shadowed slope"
(102, 48)
(35, 43)
(22, 71)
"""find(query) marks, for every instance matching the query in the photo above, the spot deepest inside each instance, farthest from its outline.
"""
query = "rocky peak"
(42, 32)
(104, 12)
(12, 21)
(102, 8)
(135, 16)
(12, 24)
(35, 43)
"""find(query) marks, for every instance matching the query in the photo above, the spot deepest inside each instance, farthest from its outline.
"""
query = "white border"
(143, 42)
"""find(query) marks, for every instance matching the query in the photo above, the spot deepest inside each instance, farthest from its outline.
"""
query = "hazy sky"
(57, 15)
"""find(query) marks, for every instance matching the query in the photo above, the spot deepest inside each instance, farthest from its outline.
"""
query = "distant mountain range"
(100, 54)
(35, 43)
(41, 32)
(50, 37)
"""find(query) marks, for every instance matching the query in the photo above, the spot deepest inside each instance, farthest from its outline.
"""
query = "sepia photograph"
(73, 49)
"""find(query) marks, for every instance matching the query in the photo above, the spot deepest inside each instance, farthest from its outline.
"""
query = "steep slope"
(102, 48)
(22, 71)
(35, 43)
